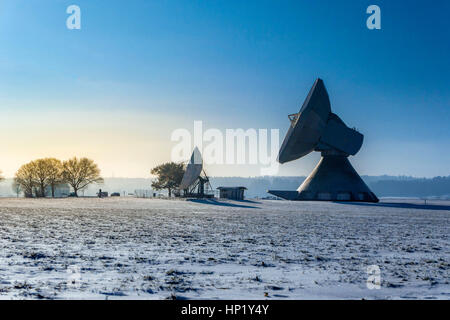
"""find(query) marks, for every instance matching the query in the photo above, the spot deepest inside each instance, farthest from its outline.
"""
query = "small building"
(233, 193)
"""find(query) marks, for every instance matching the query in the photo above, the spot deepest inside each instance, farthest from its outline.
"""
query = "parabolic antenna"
(316, 128)
(193, 183)
(193, 170)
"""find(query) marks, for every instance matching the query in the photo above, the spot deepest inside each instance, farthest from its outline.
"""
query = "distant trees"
(36, 176)
(1, 176)
(169, 176)
(79, 173)
(411, 187)
(17, 188)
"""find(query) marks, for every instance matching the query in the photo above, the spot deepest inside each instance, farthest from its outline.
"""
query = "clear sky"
(137, 70)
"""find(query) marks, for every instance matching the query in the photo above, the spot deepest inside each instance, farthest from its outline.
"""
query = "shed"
(234, 193)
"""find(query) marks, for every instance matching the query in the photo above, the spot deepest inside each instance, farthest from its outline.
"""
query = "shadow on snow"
(225, 204)
(400, 205)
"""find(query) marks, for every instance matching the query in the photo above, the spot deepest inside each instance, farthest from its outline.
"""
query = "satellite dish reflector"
(194, 184)
(316, 128)
(193, 170)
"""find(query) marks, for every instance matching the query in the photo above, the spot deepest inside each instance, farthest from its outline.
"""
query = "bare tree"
(41, 175)
(54, 173)
(24, 177)
(80, 173)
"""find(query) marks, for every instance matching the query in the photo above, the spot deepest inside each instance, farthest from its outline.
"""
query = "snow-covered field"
(157, 249)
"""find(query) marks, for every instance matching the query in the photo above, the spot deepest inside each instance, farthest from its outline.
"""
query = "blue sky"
(137, 70)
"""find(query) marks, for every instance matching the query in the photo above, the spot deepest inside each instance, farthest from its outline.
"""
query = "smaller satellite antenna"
(316, 128)
(195, 182)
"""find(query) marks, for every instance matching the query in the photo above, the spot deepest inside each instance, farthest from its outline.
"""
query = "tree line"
(35, 177)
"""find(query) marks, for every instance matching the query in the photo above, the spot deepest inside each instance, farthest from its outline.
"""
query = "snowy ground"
(156, 249)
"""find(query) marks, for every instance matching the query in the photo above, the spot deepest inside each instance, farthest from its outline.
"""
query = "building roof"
(230, 188)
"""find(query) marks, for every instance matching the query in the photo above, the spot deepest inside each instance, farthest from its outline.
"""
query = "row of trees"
(35, 177)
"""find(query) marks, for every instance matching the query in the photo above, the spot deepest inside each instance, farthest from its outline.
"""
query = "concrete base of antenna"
(333, 179)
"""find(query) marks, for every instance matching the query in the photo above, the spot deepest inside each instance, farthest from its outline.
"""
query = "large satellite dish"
(316, 128)
(194, 184)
